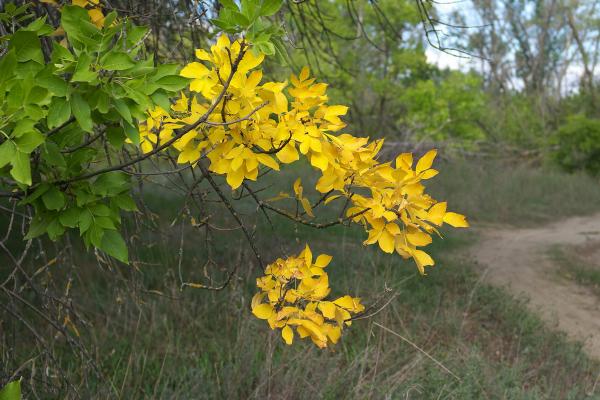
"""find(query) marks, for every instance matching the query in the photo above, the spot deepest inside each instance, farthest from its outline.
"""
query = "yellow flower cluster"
(256, 125)
(292, 295)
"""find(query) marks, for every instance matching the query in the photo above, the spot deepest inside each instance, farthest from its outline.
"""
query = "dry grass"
(460, 339)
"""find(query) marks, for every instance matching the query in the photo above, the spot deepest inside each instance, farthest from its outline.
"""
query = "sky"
(464, 63)
(443, 59)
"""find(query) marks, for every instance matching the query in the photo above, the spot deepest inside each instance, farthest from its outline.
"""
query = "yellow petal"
(319, 160)
(268, 161)
(346, 302)
(436, 213)
(304, 74)
(288, 154)
(97, 17)
(334, 333)
(235, 178)
(323, 260)
(328, 309)
(298, 187)
(422, 259)
(307, 207)
(331, 198)
(203, 55)
(404, 161)
(263, 311)
(194, 70)
(426, 161)
(250, 61)
(428, 174)
(418, 238)
(386, 242)
(287, 334)
(456, 220)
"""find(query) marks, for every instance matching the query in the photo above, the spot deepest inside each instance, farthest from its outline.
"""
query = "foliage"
(243, 130)
(578, 144)
(11, 391)
(450, 107)
(298, 282)
(98, 83)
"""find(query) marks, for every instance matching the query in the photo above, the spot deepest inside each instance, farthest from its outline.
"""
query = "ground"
(519, 259)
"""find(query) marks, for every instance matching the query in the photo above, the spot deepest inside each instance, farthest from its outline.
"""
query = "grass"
(577, 268)
(500, 192)
(151, 340)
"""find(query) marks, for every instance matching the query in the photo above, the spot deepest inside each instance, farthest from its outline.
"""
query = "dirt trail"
(518, 258)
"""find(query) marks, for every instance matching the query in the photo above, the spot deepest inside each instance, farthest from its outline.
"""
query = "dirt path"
(518, 258)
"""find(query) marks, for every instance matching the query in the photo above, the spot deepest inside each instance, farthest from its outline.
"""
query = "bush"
(579, 144)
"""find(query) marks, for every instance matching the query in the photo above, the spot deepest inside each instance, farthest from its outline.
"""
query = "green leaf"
(22, 127)
(8, 65)
(12, 391)
(105, 223)
(270, 7)
(229, 4)
(239, 19)
(110, 18)
(226, 25)
(37, 193)
(164, 70)
(100, 210)
(123, 110)
(78, 27)
(70, 217)
(27, 47)
(95, 235)
(124, 202)
(52, 154)
(82, 70)
(100, 101)
(54, 199)
(136, 34)
(40, 27)
(250, 8)
(114, 245)
(7, 151)
(38, 95)
(29, 141)
(116, 137)
(15, 97)
(59, 112)
(38, 226)
(266, 48)
(52, 82)
(111, 183)
(61, 54)
(85, 220)
(55, 229)
(116, 61)
(82, 113)
(161, 99)
(173, 82)
(132, 133)
(21, 169)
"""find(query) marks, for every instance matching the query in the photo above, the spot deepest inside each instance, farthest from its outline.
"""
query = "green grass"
(502, 192)
(151, 340)
(576, 268)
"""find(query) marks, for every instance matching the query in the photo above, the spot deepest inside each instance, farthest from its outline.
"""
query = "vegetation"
(575, 267)
(168, 170)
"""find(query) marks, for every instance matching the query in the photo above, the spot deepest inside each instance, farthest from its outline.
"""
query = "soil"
(518, 259)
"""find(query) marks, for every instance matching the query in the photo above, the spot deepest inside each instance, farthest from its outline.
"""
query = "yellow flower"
(257, 125)
(292, 296)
